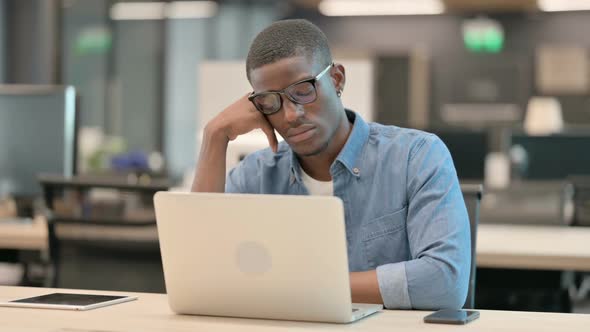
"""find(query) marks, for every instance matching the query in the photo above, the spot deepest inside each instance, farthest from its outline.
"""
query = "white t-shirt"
(315, 187)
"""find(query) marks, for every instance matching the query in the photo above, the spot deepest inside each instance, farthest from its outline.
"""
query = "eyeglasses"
(302, 92)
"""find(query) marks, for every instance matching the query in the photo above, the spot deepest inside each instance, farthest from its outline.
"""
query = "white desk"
(533, 247)
(151, 313)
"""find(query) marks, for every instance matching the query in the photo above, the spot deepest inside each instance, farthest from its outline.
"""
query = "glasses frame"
(283, 92)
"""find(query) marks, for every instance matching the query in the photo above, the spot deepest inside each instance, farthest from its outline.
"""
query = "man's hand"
(240, 118)
(237, 119)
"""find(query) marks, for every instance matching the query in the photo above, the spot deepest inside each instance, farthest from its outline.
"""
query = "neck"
(318, 166)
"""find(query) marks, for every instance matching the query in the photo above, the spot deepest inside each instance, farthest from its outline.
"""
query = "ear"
(338, 75)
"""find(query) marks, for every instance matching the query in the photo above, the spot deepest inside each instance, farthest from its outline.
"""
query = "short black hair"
(285, 39)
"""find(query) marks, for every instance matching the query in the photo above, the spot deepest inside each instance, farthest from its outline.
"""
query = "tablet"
(68, 301)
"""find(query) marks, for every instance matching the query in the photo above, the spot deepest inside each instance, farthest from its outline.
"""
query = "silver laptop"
(256, 256)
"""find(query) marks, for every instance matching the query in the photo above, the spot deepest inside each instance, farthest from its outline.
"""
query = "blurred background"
(102, 103)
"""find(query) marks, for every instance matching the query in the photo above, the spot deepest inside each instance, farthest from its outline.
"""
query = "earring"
(339, 93)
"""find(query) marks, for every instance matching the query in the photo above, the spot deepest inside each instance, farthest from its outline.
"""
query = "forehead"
(280, 74)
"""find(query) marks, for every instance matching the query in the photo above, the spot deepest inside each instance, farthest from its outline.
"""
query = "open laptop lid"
(257, 256)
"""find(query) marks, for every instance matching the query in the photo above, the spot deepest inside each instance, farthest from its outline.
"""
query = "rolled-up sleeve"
(437, 223)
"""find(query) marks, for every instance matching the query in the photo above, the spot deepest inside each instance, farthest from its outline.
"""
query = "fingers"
(241, 117)
(238, 118)
(248, 104)
(240, 105)
(265, 126)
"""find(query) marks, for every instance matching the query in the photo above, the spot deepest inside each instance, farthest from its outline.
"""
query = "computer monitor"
(554, 156)
(37, 135)
(468, 149)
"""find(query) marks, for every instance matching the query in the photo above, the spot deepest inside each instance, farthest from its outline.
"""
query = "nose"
(293, 112)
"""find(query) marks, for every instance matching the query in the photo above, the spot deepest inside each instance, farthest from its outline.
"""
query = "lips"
(300, 133)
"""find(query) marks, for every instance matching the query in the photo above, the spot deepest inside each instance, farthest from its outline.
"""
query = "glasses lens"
(302, 93)
(268, 102)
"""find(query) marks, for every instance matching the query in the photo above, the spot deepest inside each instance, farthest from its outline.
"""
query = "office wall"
(2, 40)
(138, 79)
(32, 41)
(441, 36)
(136, 112)
(20, 41)
(85, 65)
(185, 40)
(189, 42)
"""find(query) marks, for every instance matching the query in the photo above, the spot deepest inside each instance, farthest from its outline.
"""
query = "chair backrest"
(472, 195)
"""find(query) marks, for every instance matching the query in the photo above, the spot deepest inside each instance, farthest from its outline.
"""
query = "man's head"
(288, 52)
(286, 39)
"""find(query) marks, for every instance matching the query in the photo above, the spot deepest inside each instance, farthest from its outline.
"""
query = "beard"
(314, 152)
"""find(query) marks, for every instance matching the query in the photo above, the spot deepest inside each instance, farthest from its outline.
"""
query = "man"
(406, 223)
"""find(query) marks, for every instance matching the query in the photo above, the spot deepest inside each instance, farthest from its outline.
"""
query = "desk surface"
(533, 247)
(151, 313)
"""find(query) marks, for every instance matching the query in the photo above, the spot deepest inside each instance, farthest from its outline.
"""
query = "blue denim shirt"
(404, 210)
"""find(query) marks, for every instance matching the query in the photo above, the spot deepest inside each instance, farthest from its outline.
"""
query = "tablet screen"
(69, 299)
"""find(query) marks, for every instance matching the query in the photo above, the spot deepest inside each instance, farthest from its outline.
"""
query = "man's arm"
(210, 172)
(239, 118)
(439, 236)
(365, 287)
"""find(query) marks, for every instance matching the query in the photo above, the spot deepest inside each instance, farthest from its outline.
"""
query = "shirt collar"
(350, 154)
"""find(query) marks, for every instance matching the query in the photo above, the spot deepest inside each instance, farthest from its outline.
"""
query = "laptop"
(256, 256)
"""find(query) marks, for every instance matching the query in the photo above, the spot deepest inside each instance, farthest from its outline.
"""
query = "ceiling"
(456, 6)
(490, 5)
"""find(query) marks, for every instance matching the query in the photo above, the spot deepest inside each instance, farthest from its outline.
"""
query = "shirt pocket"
(385, 239)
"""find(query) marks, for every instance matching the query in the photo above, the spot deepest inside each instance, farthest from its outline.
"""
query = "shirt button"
(356, 171)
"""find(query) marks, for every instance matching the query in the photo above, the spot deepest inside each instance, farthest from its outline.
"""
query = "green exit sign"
(483, 35)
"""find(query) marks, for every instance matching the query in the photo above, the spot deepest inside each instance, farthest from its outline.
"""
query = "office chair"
(472, 195)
